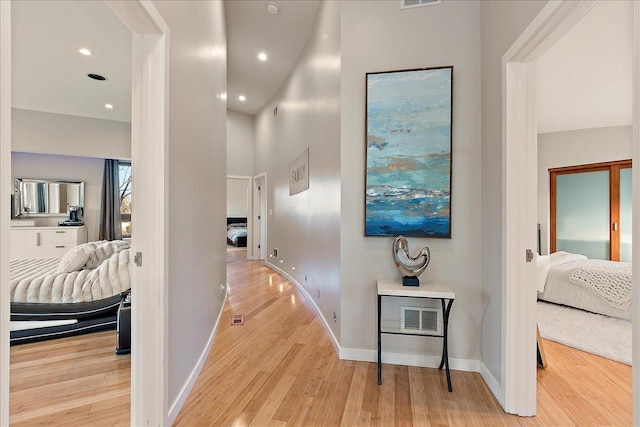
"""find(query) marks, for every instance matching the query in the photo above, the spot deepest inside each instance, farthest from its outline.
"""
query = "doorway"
(148, 135)
(519, 165)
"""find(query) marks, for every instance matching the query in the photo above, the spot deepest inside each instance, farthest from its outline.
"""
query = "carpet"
(601, 335)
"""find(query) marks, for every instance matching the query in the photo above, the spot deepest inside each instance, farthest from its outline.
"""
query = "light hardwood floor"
(280, 369)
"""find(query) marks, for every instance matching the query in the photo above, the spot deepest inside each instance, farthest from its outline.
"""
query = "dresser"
(45, 242)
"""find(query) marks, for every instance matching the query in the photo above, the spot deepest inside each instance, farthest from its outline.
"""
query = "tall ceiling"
(251, 29)
(584, 80)
(48, 72)
(50, 75)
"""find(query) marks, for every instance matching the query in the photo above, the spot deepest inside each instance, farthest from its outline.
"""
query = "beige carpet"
(600, 335)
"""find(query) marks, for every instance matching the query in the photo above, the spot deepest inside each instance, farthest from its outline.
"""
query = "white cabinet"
(45, 242)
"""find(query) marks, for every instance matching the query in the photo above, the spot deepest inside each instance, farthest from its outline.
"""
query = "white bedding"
(37, 281)
(234, 231)
(559, 289)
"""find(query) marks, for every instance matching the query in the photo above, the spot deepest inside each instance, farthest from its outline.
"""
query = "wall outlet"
(275, 252)
(318, 293)
(335, 318)
(305, 278)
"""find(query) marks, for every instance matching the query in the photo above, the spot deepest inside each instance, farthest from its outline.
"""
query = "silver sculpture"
(410, 267)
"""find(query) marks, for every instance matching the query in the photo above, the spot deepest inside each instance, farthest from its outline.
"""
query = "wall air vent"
(409, 4)
(421, 320)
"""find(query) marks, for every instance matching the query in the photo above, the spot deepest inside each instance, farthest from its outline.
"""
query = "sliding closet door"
(591, 210)
(626, 218)
(582, 214)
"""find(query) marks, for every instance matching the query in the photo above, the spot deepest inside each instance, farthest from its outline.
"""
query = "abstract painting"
(408, 166)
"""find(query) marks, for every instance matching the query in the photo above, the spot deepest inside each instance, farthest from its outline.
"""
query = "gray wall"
(576, 147)
(50, 133)
(502, 23)
(197, 157)
(45, 166)
(306, 227)
(379, 36)
(240, 142)
(59, 146)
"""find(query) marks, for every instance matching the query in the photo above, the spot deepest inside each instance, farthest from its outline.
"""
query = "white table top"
(425, 290)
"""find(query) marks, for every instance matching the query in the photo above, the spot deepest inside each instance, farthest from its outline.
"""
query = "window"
(125, 197)
(591, 210)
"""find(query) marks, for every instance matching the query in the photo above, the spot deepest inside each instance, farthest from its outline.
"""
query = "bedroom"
(62, 131)
(584, 122)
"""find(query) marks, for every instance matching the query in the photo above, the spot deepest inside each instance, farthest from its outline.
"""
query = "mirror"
(41, 197)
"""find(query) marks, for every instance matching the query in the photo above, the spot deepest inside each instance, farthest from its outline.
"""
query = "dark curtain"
(110, 226)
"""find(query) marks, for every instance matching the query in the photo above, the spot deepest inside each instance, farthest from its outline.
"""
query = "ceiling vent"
(409, 4)
(421, 320)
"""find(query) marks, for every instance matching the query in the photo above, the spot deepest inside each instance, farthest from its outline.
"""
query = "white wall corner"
(492, 383)
(303, 291)
(177, 404)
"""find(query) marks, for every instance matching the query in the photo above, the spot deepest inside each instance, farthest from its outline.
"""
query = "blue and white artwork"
(408, 172)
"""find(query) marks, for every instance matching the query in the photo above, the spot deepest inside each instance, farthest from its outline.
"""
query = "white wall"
(87, 169)
(570, 148)
(197, 160)
(237, 197)
(379, 36)
(502, 22)
(305, 227)
(50, 133)
(240, 141)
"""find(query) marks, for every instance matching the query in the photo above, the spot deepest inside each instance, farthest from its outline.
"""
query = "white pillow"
(104, 251)
(75, 258)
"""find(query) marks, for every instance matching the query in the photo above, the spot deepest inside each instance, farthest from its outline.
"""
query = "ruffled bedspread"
(36, 281)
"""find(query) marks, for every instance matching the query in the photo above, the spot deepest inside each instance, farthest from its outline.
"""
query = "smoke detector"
(273, 8)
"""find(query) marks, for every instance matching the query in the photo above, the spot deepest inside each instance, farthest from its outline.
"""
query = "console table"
(391, 288)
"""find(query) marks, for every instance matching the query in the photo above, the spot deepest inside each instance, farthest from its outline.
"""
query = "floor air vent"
(238, 319)
(421, 320)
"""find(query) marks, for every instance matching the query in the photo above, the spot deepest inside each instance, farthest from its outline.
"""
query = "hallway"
(279, 368)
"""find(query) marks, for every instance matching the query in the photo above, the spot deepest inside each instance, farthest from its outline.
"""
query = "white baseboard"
(468, 365)
(303, 291)
(175, 408)
(493, 385)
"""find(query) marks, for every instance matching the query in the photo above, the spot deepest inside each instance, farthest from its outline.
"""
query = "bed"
(79, 293)
(237, 231)
(598, 286)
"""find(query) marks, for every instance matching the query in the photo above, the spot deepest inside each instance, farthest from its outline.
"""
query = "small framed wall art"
(409, 122)
(299, 174)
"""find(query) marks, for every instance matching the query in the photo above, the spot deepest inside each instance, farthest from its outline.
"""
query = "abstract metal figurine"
(410, 267)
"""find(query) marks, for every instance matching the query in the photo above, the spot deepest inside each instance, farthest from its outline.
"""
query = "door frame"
(5, 191)
(250, 237)
(259, 209)
(519, 148)
(149, 159)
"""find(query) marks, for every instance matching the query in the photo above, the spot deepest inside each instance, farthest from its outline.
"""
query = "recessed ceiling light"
(273, 8)
(108, 106)
(96, 77)
(85, 51)
(242, 98)
(262, 56)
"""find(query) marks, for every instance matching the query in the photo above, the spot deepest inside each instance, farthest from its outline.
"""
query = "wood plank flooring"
(279, 369)
(75, 381)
